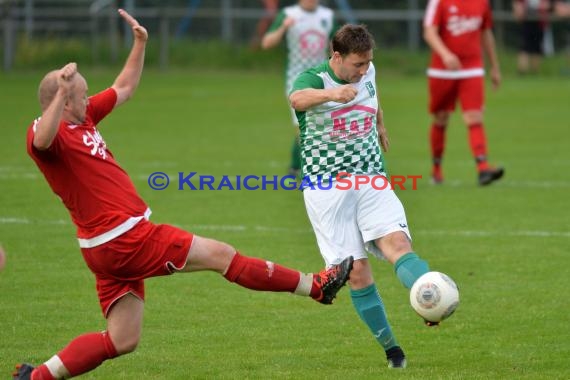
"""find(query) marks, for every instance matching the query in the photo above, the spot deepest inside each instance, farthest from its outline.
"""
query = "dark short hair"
(352, 39)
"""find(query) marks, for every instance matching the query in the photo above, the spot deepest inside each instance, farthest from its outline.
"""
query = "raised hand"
(65, 77)
(289, 21)
(139, 31)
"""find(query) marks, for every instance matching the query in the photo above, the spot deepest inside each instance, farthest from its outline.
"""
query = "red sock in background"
(81, 355)
(478, 143)
(437, 142)
(257, 274)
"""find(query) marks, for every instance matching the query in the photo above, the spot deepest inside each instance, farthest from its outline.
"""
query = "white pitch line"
(522, 233)
(515, 184)
(281, 230)
(11, 220)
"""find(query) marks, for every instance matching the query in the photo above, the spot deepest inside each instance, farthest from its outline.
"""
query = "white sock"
(56, 368)
(305, 285)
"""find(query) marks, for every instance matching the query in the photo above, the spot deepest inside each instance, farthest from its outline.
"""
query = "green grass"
(505, 245)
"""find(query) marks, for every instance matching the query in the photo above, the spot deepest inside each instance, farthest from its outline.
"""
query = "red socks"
(81, 355)
(437, 142)
(257, 274)
(478, 143)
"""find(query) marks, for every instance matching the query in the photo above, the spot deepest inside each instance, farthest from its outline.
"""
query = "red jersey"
(460, 23)
(80, 169)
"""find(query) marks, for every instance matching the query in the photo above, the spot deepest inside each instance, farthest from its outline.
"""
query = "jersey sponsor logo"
(349, 124)
(96, 143)
(370, 88)
(312, 43)
(458, 25)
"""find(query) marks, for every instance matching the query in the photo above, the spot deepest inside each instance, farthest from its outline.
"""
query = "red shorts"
(147, 250)
(444, 93)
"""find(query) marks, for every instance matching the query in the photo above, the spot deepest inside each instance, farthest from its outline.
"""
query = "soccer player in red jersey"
(119, 244)
(458, 32)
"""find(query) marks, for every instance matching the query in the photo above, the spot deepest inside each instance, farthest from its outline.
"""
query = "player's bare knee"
(394, 245)
(472, 117)
(360, 275)
(127, 344)
(441, 118)
(209, 254)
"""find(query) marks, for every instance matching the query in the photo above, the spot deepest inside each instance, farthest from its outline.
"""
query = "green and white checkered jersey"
(307, 39)
(337, 137)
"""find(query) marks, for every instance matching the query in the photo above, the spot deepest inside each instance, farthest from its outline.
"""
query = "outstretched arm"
(128, 79)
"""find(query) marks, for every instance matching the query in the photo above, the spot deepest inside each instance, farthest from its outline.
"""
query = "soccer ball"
(434, 296)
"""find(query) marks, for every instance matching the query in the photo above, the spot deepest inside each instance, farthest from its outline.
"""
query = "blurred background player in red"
(532, 16)
(457, 33)
(270, 8)
(118, 242)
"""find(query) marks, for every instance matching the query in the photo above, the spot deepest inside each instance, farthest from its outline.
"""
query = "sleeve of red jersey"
(487, 18)
(432, 15)
(41, 154)
(101, 104)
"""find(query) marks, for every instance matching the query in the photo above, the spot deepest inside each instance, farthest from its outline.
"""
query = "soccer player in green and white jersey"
(341, 131)
(307, 28)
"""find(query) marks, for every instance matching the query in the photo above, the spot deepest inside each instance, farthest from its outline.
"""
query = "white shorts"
(346, 222)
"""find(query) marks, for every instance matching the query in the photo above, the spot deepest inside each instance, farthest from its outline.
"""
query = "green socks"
(409, 268)
(370, 308)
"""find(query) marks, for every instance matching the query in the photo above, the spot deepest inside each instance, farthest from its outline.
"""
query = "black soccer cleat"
(23, 372)
(331, 280)
(396, 358)
(486, 177)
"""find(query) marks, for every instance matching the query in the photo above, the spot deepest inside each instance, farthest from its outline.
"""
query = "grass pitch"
(506, 245)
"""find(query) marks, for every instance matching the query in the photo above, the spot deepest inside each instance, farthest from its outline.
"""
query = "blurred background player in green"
(307, 27)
